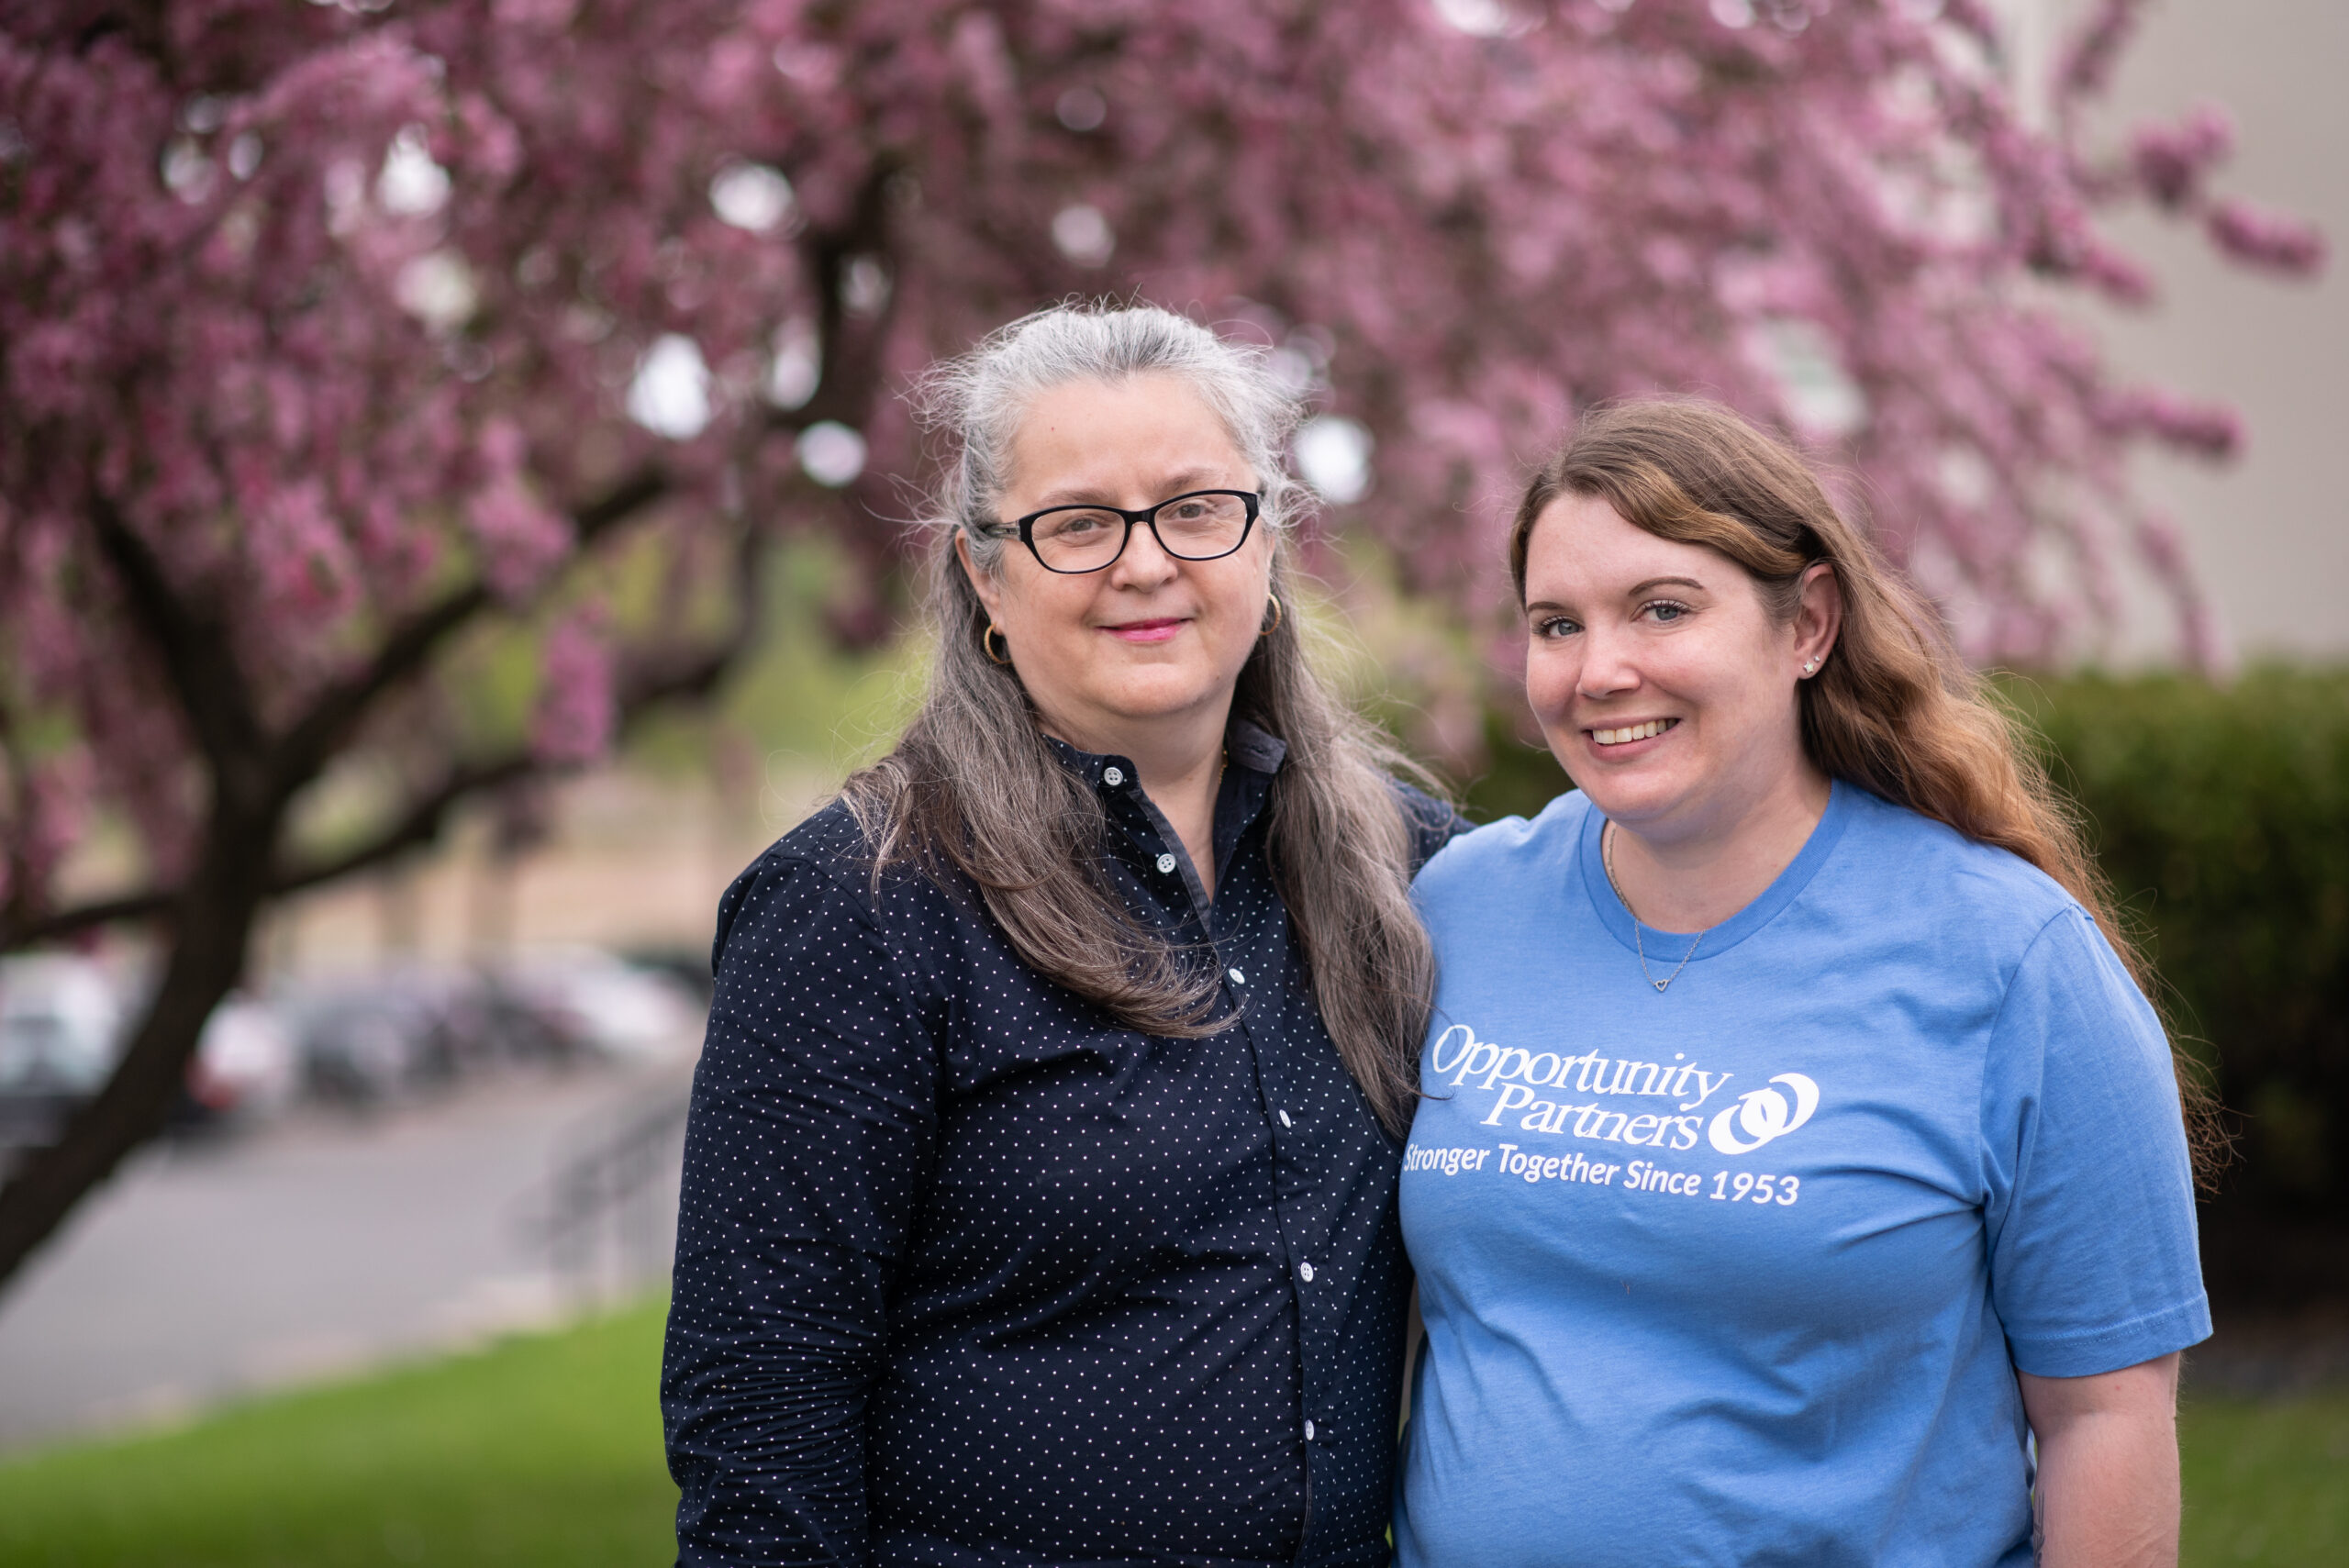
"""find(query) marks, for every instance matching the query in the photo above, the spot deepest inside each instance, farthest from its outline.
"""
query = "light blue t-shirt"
(1741, 1272)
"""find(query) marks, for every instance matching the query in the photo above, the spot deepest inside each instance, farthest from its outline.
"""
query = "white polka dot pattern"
(966, 1274)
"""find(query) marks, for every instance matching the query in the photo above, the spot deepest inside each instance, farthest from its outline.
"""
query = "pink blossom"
(2267, 239)
(376, 357)
(519, 537)
(2086, 66)
(56, 812)
(2172, 158)
(2204, 428)
(572, 721)
(299, 554)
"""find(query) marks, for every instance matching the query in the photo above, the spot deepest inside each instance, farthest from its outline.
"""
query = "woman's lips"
(1145, 630)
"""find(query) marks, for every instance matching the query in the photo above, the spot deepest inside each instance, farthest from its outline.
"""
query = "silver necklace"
(1607, 859)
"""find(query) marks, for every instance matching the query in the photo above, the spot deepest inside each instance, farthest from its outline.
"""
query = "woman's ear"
(1818, 616)
(989, 590)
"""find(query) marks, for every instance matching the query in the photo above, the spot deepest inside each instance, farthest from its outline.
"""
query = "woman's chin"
(1629, 800)
(1156, 695)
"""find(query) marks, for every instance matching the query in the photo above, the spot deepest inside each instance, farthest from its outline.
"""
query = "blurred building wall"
(2268, 534)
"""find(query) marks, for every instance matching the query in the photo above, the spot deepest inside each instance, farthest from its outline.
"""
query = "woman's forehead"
(1583, 542)
(1083, 434)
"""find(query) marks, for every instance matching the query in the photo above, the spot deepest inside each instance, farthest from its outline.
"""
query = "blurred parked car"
(368, 1039)
(597, 1005)
(62, 1023)
(689, 967)
(247, 1064)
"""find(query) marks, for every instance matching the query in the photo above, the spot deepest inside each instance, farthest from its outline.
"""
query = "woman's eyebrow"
(1662, 583)
(1085, 494)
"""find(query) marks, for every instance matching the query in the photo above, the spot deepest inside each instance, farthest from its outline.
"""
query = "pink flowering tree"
(344, 345)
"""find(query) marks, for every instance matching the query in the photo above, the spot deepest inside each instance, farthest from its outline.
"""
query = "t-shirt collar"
(1591, 860)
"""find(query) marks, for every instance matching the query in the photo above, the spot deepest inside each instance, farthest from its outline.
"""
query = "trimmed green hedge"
(2220, 813)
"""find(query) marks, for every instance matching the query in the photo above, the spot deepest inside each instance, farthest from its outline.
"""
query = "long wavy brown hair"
(1893, 709)
(972, 787)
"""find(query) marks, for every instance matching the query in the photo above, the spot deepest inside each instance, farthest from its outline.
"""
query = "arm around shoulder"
(1434, 823)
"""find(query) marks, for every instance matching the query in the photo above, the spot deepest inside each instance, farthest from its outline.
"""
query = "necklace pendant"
(1659, 985)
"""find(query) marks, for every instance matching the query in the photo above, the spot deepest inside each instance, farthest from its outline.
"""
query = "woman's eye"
(1556, 625)
(1665, 610)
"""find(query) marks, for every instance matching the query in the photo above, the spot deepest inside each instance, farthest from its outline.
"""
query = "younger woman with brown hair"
(1800, 1144)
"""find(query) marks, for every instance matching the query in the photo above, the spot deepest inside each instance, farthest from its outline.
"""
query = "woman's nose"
(1144, 563)
(1606, 664)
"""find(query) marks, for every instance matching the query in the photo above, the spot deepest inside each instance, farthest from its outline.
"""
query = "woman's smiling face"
(1150, 637)
(1661, 682)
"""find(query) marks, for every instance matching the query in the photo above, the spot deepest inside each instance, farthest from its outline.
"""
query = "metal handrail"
(604, 1223)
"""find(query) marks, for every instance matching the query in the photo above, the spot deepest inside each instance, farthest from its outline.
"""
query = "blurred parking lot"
(383, 1163)
(448, 1103)
(359, 1039)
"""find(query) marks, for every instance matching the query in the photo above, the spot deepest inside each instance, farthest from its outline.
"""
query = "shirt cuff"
(2117, 1345)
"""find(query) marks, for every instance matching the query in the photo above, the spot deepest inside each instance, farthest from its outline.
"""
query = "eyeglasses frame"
(1026, 528)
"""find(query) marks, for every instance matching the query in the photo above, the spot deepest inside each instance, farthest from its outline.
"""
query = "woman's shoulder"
(830, 849)
(828, 857)
(833, 837)
(1512, 847)
(1936, 870)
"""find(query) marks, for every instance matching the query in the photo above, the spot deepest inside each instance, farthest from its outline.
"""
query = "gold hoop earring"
(1275, 600)
(986, 644)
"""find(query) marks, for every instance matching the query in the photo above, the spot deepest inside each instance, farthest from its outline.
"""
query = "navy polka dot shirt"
(966, 1274)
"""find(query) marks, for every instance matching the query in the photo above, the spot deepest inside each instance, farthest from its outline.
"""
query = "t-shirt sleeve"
(812, 1130)
(2090, 1212)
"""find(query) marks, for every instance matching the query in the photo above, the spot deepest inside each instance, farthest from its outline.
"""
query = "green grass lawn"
(2267, 1484)
(544, 1449)
(547, 1450)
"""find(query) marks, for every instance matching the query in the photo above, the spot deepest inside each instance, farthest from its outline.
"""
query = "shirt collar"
(1246, 745)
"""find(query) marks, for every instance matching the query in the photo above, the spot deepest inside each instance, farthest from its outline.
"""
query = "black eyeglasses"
(1200, 525)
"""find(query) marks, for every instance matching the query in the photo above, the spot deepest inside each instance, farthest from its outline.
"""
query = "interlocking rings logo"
(1764, 1115)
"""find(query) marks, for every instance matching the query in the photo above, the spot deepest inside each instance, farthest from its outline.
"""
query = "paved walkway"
(314, 1247)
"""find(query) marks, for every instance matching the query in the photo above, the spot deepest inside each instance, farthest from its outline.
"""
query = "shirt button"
(1237, 978)
(1309, 1431)
(1284, 1121)
(1166, 862)
(1113, 777)
(1305, 1272)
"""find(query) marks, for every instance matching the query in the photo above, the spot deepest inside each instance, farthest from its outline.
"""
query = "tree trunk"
(211, 931)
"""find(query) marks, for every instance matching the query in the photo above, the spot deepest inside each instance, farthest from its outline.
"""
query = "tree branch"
(648, 682)
(417, 826)
(32, 929)
(848, 351)
(198, 662)
(695, 673)
(311, 741)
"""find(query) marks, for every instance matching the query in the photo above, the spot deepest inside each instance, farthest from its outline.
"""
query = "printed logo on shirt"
(1762, 1114)
(1514, 1077)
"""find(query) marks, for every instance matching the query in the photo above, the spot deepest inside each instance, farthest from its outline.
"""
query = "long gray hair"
(972, 785)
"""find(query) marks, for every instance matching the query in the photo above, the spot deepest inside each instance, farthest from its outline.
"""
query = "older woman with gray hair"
(1039, 1199)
